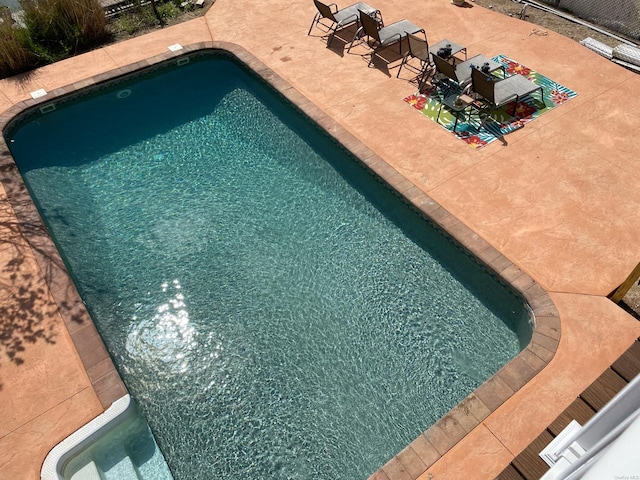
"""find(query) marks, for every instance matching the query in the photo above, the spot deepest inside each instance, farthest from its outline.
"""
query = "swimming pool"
(296, 347)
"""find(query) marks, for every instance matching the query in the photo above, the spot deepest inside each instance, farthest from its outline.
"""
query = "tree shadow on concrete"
(27, 311)
(24, 320)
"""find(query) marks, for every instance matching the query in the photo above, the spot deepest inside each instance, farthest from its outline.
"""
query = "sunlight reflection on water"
(167, 336)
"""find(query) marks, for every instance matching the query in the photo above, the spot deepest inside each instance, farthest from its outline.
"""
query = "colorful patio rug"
(501, 122)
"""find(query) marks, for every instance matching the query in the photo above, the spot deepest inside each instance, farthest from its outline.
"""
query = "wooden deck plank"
(628, 365)
(603, 389)
(509, 473)
(579, 410)
(529, 463)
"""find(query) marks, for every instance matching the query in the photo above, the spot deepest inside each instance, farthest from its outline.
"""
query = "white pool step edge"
(85, 436)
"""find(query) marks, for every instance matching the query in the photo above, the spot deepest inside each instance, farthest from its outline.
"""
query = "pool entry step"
(117, 445)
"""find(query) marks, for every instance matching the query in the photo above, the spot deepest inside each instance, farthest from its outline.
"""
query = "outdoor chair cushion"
(513, 87)
(390, 33)
(351, 13)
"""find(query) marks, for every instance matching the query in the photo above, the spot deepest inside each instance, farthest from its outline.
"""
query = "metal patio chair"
(460, 73)
(418, 48)
(497, 92)
(339, 18)
(372, 26)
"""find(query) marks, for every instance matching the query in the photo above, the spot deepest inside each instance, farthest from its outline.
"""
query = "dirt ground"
(545, 21)
(631, 301)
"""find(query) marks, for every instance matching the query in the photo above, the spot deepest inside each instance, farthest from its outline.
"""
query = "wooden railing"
(619, 293)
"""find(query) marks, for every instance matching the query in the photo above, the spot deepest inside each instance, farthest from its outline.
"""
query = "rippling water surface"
(274, 310)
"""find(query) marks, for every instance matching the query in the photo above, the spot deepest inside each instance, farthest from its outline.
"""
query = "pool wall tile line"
(415, 459)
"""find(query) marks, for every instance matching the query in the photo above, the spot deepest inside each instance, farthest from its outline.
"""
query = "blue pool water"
(275, 311)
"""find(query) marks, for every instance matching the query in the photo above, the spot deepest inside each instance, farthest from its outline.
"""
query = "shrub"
(15, 52)
(60, 28)
(142, 17)
(169, 10)
(132, 22)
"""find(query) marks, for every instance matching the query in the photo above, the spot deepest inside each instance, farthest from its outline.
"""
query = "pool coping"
(430, 446)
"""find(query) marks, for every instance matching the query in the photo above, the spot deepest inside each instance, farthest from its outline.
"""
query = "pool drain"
(123, 93)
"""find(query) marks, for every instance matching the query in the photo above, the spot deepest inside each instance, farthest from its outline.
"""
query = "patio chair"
(418, 48)
(339, 18)
(498, 92)
(460, 73)
(372, 26)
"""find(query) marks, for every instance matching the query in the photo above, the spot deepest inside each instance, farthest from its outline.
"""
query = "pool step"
(87, 472)
(153, 468)
(117, 444)
(121, 470)
(117, 465)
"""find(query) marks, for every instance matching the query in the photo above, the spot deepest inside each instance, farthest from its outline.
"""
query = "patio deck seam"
(115, 62)
(5, 97)
(44, 412)
(497, 437)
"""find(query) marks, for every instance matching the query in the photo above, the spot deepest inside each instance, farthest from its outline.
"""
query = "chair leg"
(515, 106)
(316, 19)
(427, 71)
(422, 79)
(373, 54)
(355, 37)
(404, 60)
(542, 97)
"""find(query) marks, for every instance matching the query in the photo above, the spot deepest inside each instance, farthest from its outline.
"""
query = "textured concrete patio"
(559, 200)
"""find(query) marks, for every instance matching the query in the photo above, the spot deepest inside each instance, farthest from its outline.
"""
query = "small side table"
(458, 108)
